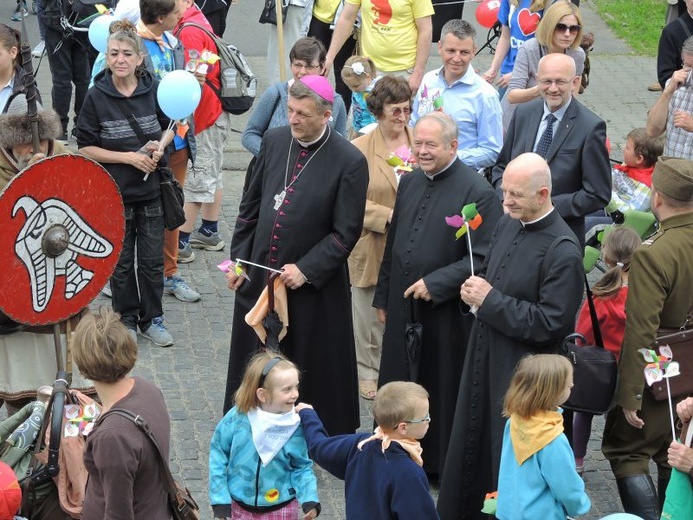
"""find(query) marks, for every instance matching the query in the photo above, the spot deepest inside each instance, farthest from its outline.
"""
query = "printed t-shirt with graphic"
(389, 33)
(523, 26)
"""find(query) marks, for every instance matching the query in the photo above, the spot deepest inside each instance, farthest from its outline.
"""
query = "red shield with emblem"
(63, 225)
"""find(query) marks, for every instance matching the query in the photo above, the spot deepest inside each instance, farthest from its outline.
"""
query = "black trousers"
(321, 31)
(68, 58)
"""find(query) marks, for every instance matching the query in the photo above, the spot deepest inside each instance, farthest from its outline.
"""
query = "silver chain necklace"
(279, 197)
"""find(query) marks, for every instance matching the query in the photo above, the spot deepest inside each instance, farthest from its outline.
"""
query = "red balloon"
(487, 13)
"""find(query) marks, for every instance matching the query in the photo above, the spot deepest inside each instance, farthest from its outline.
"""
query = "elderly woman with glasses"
(307, 58)
(387, 149)
(559, 31)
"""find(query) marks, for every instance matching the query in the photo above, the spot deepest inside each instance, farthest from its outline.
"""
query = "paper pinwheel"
(402, 161)
(661, 367)
(468, 216)
(438, 103)
(227, 265)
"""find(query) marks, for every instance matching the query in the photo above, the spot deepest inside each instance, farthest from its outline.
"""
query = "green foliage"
(638, 22)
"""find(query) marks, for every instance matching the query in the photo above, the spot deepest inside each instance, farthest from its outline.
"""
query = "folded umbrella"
(413, 332)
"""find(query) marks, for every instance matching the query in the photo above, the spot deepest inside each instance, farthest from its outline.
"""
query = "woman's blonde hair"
(617, 251)
(537, 384)
(103, 348)
(552, 16)
(258, 374)
(348, 73)
(397, 402)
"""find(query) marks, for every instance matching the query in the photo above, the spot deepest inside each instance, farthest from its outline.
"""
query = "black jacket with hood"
(102, 123)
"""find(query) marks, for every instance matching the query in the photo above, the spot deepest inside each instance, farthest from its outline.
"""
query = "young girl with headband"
(258, 460)
(359, 74)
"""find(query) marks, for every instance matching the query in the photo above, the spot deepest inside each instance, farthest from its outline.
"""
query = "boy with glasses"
(383, 472)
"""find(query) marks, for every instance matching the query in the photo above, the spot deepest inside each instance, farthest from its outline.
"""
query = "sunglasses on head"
(561, 27)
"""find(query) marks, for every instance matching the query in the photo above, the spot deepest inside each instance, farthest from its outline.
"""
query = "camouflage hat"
(674, 177)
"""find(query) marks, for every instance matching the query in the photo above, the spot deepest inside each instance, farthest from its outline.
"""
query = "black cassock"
(530, 309)
(421, 245)
(316, 225)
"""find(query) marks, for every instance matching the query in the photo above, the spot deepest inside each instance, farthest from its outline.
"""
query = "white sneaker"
(39, 49)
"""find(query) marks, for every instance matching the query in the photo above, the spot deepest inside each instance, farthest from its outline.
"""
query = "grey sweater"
(525, 72)
(270, 112)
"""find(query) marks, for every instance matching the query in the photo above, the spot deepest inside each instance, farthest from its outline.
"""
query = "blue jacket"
(545, 486)
(236, 472)
(377, 485)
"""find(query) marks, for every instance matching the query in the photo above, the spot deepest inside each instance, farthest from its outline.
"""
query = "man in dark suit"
(574, 144)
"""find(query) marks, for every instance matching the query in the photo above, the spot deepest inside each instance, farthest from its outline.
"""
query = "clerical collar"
(310, 143)
(525, 224)
(432, 175)
(558, 114)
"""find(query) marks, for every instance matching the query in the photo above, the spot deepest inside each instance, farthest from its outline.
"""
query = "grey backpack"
(238, 83)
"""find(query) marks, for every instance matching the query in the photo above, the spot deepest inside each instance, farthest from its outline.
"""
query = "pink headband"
(320, 85)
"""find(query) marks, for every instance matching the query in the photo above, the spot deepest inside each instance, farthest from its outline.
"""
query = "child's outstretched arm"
(302, 477)
(332, 453)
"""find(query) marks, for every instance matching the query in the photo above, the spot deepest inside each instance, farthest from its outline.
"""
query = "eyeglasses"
(398, 111)
(561, 27)
(298, 65)
(418, 421)
(559, 82)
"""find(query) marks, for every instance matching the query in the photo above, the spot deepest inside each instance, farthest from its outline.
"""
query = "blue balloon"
(621, 516)
(98, 31)
(179, 94)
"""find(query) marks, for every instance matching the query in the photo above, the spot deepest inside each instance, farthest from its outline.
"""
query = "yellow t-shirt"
(388, 31)
(324, 10)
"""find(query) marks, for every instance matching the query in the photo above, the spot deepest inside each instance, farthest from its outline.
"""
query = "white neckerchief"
(271, 431)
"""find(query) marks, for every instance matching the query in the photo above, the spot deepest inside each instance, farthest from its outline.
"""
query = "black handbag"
(172, 197)
(595, 369)
(269, 12)
(181, 503)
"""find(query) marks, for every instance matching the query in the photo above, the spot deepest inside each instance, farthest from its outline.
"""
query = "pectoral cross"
(279, 199)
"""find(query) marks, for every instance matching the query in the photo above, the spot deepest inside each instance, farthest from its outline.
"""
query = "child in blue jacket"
(258, 460)
(537, 477)
(383, 472)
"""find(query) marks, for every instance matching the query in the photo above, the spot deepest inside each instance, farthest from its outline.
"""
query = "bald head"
(557, 79)
(527, 187)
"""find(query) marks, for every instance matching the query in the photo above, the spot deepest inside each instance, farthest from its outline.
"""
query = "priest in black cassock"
(302, 214)
(526, 298)
(424, 266)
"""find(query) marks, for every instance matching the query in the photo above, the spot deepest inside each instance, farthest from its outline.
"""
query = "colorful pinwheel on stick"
(661, 367)
(402, 161)
(468, 218)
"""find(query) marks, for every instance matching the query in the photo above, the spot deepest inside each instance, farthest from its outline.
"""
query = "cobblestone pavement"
(192, 373)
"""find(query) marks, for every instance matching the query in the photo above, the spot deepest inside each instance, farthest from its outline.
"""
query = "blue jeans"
(38, 6)
(144, 230)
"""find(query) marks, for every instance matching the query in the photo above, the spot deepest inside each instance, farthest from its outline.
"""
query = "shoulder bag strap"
(146, 429)
(593, 316)
(131, 121)
(685, 27)
(217, 41)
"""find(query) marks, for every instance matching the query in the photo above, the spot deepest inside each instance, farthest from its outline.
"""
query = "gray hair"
(459, 28)
(447, 124)
(299, 90)
(687, 47)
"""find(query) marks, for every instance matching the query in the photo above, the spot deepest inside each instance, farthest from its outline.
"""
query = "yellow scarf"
(144, 32)
(531, 434)
(412, 447)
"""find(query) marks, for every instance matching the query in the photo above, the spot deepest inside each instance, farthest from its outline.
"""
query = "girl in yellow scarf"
(537, 472)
